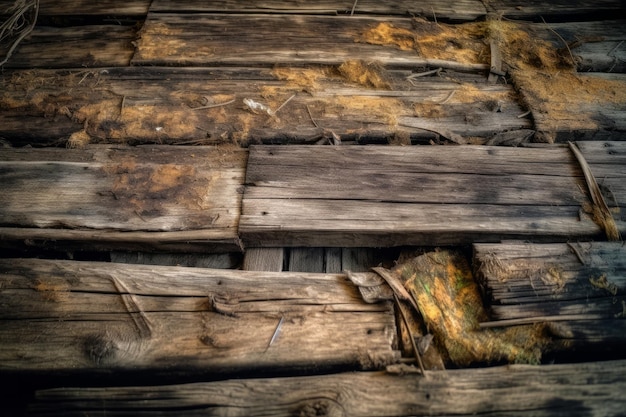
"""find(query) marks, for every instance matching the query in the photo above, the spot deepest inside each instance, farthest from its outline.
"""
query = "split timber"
(165, 72)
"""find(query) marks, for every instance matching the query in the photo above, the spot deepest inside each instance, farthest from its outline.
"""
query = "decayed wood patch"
(63, 316)
(574, 390)
(578, 288)
(109, 196)
(382, 196)
(354, 101)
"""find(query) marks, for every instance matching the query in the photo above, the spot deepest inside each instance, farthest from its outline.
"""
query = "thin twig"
(449, 97)
(540, 319)
(211, 106)
(411, 338)
(276, 332)
(576, 252)
(311, 116)
(283, 105)
(562, 40)
(142, 324)
(526, 113)
(25, 33)
(353, 7)
(615, 49)
(424, 74)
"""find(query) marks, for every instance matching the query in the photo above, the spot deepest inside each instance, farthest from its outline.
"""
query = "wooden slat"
(222, 39)
(90, 8)
(578, 287)
(386, 196)
(264, 259)
(197, 260)
(130, 104)
(559, 9)
(458, 10)
(123, 198)
(552, 390)
(86, 317)
(75, 47)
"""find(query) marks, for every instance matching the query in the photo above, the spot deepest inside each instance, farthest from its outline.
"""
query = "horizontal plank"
(559, 9)
(552, 390)
(86, 317)
(98, 195)
(526, 281)
(222, 39)
(173, 105)
(89, 8)
(458, 10)
(387, 196)
(75, 47)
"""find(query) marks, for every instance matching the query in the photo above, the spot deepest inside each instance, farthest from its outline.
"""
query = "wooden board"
(120, 197)
(90, 8)
(560, 9)
(75, 47)
(458, 10)
(264, 259)
(130, 104)
(389, 196)
(65, 318)
(552, 390)
(579, 288)
(223, 39)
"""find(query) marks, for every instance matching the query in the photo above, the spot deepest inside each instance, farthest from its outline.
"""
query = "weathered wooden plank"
(75, 47)
(197, 260)
(90, 8)
(552, 390)
(458, 10)
(222, 39)
(577, 287)
(386, 196)
(116, 196)
(264, 259)
(165, 105)
(85, 317)
(559, 9)
(530, 280)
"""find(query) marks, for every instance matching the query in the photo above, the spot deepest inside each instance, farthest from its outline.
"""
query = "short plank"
(266, 40)
(111, 8)
(75, 47)
(197, 260)
(264, 259)
(458, 10)
(105, 196)
(526, 281)
(69, 317)
(206, 106)
(559, 9)
(580, 389)
(388, 196)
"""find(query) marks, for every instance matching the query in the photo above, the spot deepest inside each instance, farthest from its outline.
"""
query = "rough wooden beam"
(64, 317)
(386, 196)
(118, 197)
(580, 389)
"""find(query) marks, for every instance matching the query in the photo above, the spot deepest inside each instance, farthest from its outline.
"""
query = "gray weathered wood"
(386, 196)
(75, 47)
(223, 39)
(587, 389)
(129, 104)
(306, 259)
(264, 259)
(64, 317)
(198, 260)
(560, 9)
(118, 196)
(458, 10)
(89, 8)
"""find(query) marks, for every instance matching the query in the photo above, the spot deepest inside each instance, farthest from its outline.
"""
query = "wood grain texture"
(222, 39)
(559, 9)
(109, 195)
(458, 10)
(264, 259)
(75, 47)
(587, 389)
(85, 317)
(385, 196)
(130, 104)
(90, 8)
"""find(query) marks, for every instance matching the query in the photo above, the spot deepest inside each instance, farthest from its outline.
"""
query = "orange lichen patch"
(367, 74)
(169, 176)
(305, 79)
(383, 109)
(461, 43)
(158, 40)
(430, 110)
(442, 285)
(52, 291)
(78, 140)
